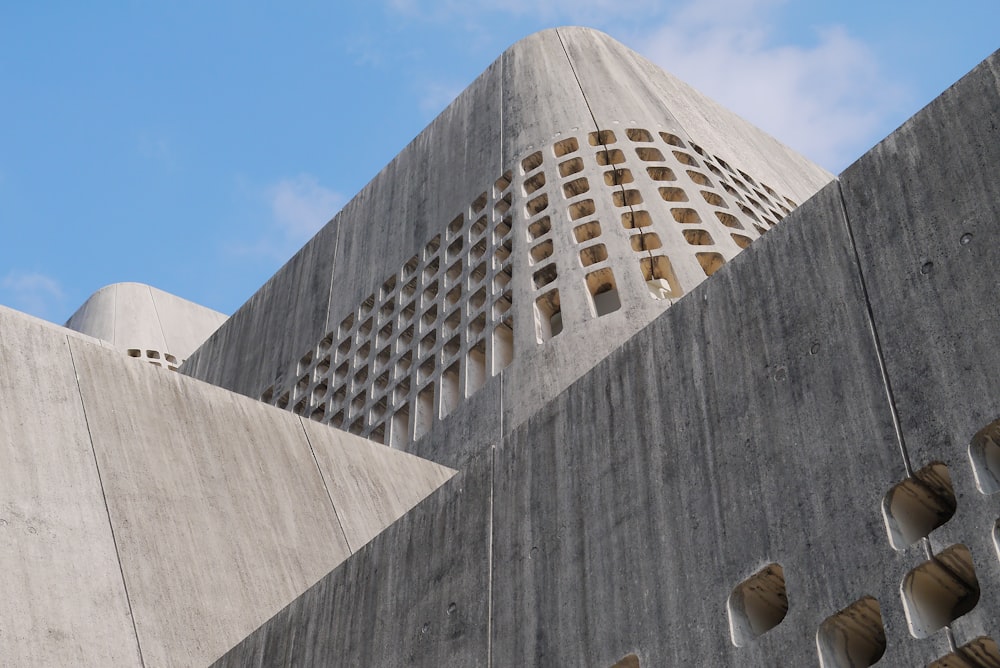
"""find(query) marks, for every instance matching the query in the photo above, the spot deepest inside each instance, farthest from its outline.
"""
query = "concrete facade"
(146, 323)
(795, 462)
(575, 192)
(150, 519)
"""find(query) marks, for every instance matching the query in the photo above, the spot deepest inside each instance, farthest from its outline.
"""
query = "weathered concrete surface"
(194, 512)
(558, 85)
(924, 207)
(745, 426)
(418, 594)
(373, 484)
(62, 599)
(133, 315)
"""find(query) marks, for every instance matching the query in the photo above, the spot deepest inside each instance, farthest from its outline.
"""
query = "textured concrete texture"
(563, 201)
(151, 519)
(925, 207)
(799, 425)
(149, 324)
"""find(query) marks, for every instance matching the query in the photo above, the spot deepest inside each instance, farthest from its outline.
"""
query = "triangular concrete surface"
(146, 512)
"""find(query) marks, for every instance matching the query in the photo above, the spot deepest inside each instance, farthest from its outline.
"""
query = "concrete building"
(687, 399)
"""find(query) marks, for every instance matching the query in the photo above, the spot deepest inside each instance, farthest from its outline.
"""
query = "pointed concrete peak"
(371, 485)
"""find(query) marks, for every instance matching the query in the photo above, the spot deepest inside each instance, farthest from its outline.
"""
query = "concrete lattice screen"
(574, 215)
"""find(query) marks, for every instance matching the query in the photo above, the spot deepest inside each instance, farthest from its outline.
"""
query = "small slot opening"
(566, 146)
(698, 237)
(399, 429)
(984, 452)
(686, 216)
(425, 411)
(729, 220)
(649, 154)
(660, 277)
(611, 156)
(980, 653)
(411, 266)
(939, 591)
(710, 262)
(537, 205)
(757, 604)
(475, 368)
(570, 167)
(853, 637)
(645, 242)
(450, 394)
(479, 203)
(661, 173)
(503, 182)
(673, 194)
(544, 276)
(603, 291)
(741, 241)
(576, 187)
(587, 231)
(638, 134)
(539, 228)
(918, 505)
(618, 177)
(685, 159)
(534, 183)
(626, 197)
(714, 199)
(533, 161)
(548, 316)
(636, 219)
(672, 139)
(601, 137)
(503, 347)
(593, 254)
(541, 251)
(581, 209)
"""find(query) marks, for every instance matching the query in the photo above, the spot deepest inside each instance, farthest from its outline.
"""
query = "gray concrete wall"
(149, 324)
(755, 422)
(152, 519)
(456, 266)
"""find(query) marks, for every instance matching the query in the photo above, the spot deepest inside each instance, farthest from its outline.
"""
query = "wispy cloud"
(33, 293)
(824, 98)
(825, 95)
(437, 96)
(297, 207)
(301, 206)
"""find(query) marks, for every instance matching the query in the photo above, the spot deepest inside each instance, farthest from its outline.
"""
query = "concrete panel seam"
(319, 470)
(159, 322)
(333, 272)
(489, 558)
(583, 93)
(870, 315)
(104, 498)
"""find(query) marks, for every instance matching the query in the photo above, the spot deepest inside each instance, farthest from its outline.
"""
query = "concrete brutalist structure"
(792, 463)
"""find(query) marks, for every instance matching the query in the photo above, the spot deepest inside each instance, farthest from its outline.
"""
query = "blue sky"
(195, 146)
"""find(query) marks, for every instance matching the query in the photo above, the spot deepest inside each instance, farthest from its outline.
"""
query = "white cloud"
(824, 99)
(32, 292)
(283, 216)
(436, 96)
(824, 95)
(300, 206)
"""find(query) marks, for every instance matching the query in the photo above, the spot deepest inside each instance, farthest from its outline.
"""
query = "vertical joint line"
(319, 470)
(104, 497)
(490, 559)
(886, 383)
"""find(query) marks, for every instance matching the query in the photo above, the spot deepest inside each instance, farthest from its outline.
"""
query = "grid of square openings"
(430, 337)
(155, 357)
